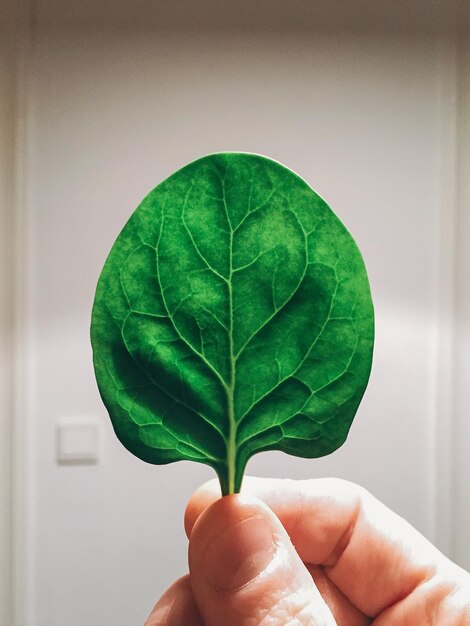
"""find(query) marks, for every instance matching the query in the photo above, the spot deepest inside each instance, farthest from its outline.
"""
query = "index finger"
(370, 553)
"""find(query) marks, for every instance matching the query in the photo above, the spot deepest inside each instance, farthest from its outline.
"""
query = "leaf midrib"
(230, 388)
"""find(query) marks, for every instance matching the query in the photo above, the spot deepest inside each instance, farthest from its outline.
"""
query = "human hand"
(350, 561)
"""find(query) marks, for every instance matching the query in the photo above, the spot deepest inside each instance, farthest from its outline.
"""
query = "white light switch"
(78, 441)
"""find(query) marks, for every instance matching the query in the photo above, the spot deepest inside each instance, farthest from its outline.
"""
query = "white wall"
(358, 110)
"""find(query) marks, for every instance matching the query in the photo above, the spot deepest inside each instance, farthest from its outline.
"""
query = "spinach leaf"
(233, 315)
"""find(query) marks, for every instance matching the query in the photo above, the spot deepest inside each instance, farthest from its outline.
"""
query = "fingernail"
(239, 554)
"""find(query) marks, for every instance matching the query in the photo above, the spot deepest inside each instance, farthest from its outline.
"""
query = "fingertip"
(222, 514)
(202, 498)
(210, 511)
(231, 543)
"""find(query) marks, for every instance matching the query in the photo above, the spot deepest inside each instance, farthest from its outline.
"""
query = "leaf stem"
(231, 444)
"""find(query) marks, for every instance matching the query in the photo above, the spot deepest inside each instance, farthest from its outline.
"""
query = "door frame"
(461, 443)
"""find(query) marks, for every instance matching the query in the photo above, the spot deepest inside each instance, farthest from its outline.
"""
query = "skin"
(320, 552)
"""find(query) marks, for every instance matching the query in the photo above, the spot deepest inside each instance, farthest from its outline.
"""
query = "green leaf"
(233, 315)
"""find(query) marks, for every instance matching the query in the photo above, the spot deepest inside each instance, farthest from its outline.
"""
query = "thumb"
(244, 569)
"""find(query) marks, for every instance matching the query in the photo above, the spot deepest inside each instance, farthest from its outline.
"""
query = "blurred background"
(100, 100)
